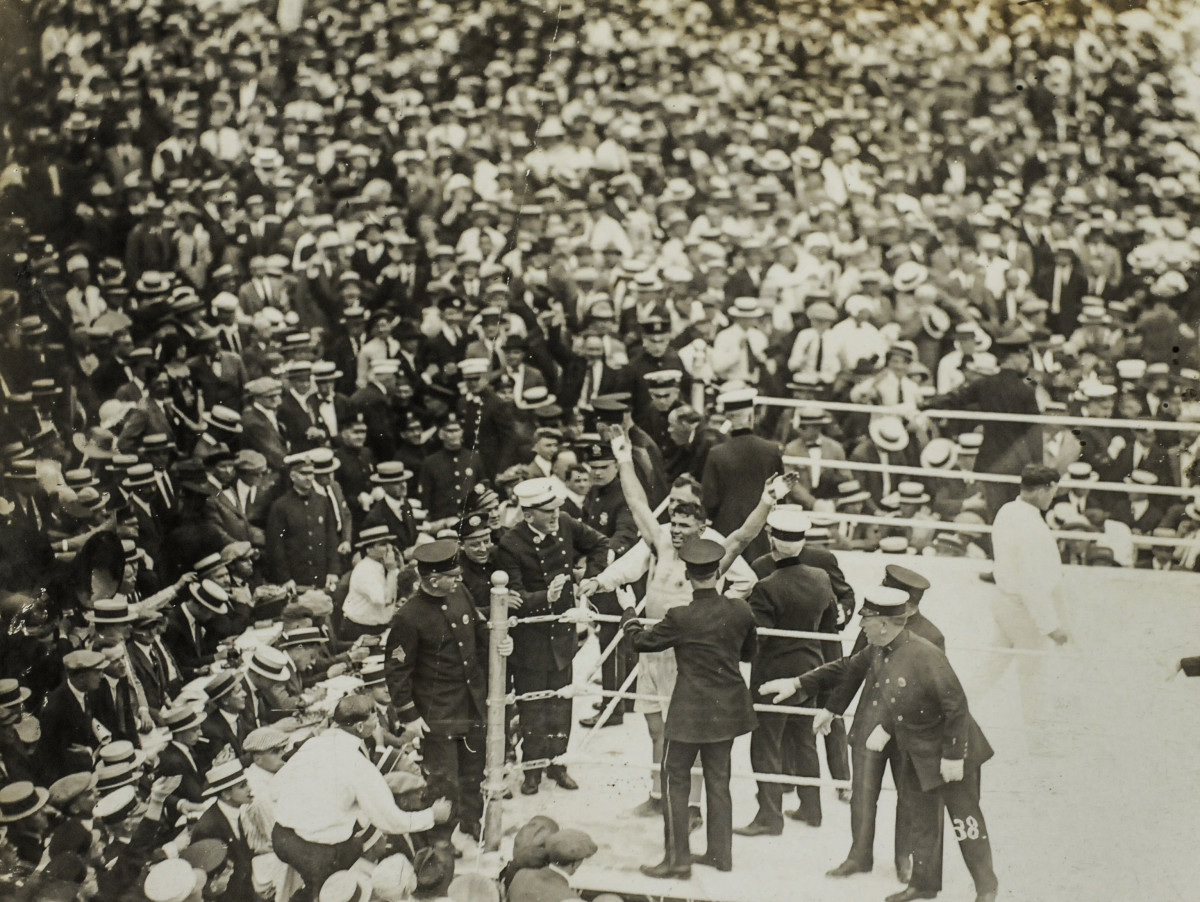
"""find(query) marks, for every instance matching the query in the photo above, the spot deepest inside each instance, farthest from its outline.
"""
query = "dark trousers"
(458, 761)
(545, 724)
(313, 861)
(784, 744)
(867, 783)
(925, 826)
(350, 630)
(678, 758)
(616, 666)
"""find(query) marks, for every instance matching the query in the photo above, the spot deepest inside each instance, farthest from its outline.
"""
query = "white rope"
(972, 476)
(983, 415)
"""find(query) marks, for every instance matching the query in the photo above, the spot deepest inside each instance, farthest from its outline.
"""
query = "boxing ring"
(1105, 810)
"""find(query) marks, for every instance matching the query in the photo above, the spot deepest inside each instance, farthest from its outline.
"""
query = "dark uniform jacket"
(1006, 447)
(446, 478)
(302, 539)
(816, 556)
(213, 824)
(436, 662)
(794, 597)
(531, 562)
(711, 702)
(921, 703)
(734, 475)
(607, 512)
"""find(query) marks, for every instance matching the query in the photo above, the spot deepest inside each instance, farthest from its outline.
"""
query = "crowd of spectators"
(295, 288)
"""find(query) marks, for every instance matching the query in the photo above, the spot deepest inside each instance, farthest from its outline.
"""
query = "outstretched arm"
(735, 543)
(635, 495)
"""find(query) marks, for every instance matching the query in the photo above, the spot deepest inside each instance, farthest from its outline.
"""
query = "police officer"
(868, 766)
(710, 705)
(607, 512)
(436, 670)
(448, 475)
(923, 711)
(539, 554)
(793, 597)
(477, 558)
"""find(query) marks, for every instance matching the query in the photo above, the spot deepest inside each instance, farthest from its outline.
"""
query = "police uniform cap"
(701, 555)
(788, 523)
(437, 556)
(570, 845)
(737, 399)
(473, 526)
(540, 493)
(897, 577)
(885, 601)
(609, 410)
(663, 378)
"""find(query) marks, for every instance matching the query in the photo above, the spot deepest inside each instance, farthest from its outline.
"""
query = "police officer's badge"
(398, 655)
(603, 518)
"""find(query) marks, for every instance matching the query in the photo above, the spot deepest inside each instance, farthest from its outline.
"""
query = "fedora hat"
(888, 433)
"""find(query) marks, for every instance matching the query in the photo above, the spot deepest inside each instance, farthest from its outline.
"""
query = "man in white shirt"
(855, 338)
(1029, 577)
(371, 598)
(326, 789)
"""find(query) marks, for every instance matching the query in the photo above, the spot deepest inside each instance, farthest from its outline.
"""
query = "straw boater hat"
(888, 433)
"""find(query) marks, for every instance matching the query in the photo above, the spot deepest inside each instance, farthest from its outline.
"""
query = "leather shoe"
(652, 807)
(908, 893)
(988, 576)
(664, 870)
(754, 828)
(530, 783)
(562, 778)
(711, 862)
(615, 721)
(845, 795)
(695, 819)
(813, 820)
(848, 868)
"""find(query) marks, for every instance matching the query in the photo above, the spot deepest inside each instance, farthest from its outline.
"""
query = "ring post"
(497, 681)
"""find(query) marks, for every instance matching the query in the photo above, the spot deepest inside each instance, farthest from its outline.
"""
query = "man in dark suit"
(70, 731)
(301, 533)
(793, 597)
(262, 430)
(225, 726)
(1007, 446)
(181, 756)
(192, 633)
(922, 711)
(709, 707)
(154, 668)
(539, 555)
(225, 785)
(331, 410)
(437, 678)
(737, 468)
(375, 403)
(393, 509)
(586, 376)
(1062, 286)
(296, 415)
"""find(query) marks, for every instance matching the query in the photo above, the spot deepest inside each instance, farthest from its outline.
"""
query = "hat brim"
(857, 497)
(22, 696)
(885, 444)
(41, 797)
(274, 676)
(919, 499)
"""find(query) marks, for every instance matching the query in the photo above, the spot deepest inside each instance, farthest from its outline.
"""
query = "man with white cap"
(923, 710)
(539, 555)
(792, 597)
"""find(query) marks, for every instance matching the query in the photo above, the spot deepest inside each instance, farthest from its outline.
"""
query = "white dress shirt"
(371, 596)
(330, 785)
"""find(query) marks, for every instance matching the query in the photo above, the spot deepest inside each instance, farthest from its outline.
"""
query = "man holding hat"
(923, 711)
(793, 597)
(539, 555)
(393, 510)
(316, 818)
(371, 596)
(301, 533)
(709, 707)
(436, 667)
